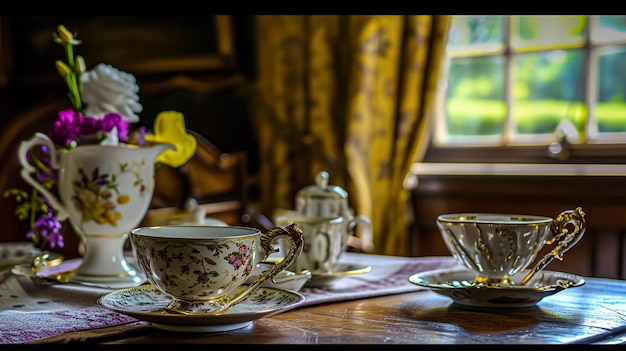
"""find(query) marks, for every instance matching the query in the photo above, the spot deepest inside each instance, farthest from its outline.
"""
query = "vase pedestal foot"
(104, 263)
(111, 282)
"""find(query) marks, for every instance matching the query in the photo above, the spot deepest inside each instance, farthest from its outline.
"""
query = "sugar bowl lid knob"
(322, 199)
(321, 179)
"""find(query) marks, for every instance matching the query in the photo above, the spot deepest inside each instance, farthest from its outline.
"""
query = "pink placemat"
(389, 275)
(31, 313)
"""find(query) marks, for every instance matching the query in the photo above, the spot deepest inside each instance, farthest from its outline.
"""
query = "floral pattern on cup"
(240, 257)
(190, 259)
(206, 269)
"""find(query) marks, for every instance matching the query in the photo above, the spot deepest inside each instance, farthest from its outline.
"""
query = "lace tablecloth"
(59, 313)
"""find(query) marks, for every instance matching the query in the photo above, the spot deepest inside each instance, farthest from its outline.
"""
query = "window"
(512, 80)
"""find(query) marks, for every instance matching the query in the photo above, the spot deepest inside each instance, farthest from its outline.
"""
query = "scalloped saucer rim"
(463, 278)
(145, 302)
(457, 284)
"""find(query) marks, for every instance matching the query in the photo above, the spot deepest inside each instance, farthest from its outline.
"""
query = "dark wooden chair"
(217, 181)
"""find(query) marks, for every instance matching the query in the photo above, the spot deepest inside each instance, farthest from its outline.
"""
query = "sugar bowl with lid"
(325, 200)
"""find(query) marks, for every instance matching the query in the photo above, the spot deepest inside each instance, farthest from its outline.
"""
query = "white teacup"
(204, 268)
(325, 240)
(497, 246)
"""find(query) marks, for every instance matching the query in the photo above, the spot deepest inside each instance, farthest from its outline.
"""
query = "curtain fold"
(350, 95)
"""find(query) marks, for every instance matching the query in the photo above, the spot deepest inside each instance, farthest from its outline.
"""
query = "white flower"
(105, 89)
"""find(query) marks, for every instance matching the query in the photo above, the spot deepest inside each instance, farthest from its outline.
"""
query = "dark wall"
(221, 115)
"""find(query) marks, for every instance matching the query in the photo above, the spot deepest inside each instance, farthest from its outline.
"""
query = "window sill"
(517, 169)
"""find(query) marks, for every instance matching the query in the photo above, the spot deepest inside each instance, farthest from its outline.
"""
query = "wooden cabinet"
(600, 252)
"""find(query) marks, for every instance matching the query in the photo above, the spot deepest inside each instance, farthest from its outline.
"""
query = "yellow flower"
(169, 128)
(123, 199)
(62, 68)
(65, 36)
(80, 64)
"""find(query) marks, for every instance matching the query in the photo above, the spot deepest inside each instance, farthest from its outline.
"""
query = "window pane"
(548, 87)
(475, 97)
(541, 71)
(608, 29)
(610, 111)
(547, 32)
(475, 35)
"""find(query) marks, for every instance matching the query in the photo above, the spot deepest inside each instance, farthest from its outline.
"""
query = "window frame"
(609, 152)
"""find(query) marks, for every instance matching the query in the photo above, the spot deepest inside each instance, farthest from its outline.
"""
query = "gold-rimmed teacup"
(204, 268)
(498, 246)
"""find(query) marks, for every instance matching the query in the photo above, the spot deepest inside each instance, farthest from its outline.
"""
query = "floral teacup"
(205, 268)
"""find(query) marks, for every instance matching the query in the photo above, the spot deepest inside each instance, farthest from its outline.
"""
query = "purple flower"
(48, 227)
(111, 120)
(43, 174)
(72, 125)
(66, 128)
(203, 278)
(89, 127)
(139, 136)
(244, 250)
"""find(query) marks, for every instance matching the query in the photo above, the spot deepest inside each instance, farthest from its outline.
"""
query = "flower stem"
(72, 79)
(34, 207)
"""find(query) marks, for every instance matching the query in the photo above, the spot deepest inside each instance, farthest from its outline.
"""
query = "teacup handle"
(562, 236)
(294, 235)
(28, 169)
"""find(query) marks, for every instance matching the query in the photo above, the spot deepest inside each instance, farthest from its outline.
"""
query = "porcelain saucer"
(323, 279)
(457, 284)
(65, 273)
(145, 303)
(286, 280)
(17, 252)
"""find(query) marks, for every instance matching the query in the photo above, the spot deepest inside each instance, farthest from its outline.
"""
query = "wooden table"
(592, 314)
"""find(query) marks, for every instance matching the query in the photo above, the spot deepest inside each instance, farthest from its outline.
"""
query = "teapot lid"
(322, 190)
(311, 198)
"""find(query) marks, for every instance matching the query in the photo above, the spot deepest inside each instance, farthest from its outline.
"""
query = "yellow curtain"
(349, 95)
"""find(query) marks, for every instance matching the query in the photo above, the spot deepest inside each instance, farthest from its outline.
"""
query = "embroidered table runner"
(31, 313)
(389, 275)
